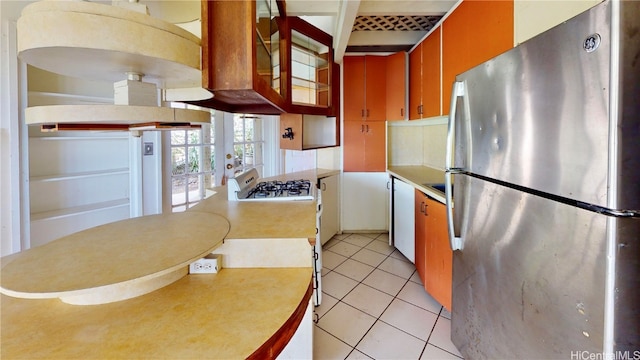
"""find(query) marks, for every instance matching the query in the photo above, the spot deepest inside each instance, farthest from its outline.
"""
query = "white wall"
(531, 17)
(12, 181)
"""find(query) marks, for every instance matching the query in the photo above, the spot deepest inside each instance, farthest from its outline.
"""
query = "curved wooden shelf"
(127, 116)
(103, 42)
(116, 261)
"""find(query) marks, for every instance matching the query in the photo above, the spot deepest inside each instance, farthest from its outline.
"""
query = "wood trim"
(71, 127)
(295, 23)
(116, 127)
(205, 45)
(282, 8)
(277, 342)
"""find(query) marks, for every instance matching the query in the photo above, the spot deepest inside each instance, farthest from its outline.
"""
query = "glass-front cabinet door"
(278, 64)
(309, 71)
(268, 42)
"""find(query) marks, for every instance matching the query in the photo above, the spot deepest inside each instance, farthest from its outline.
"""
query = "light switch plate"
(148, 148)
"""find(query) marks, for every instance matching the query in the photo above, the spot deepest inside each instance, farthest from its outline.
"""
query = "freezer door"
(538, 115)
(530, 281)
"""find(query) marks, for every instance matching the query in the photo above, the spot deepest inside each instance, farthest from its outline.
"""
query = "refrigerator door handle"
(457, 91)
(455, 240)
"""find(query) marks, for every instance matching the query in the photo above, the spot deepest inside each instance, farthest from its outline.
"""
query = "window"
(248, 143)
(193, 155)
(192, 166)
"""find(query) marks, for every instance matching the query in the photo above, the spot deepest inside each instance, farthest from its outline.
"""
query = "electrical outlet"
(209, 264)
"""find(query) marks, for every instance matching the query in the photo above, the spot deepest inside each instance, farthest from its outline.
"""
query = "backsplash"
(418, 142)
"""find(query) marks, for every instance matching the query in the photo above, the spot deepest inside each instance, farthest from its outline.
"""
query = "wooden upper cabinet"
(232, 74)
(415, 83)
(474, 33)
(424, 84)
(375, 88)
(365, 88)
(396, 86)
(431, 75)
(312, 88)
(251, 60)
(353, 88)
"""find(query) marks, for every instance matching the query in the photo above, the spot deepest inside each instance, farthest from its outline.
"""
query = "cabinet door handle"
(402, 112)
(367, 112)
(362, 113)
(425, 210)
(367, 128)
(324, 186)
(422, 207)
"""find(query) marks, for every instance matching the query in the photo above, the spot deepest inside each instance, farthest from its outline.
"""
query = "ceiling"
(371, 25)
(356, 25)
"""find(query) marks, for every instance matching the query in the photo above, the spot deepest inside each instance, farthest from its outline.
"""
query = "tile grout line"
(408, 280)
(353, 348)
(385, 309)
(388, 305)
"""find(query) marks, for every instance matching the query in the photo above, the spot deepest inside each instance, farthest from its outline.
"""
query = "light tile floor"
(374, 305)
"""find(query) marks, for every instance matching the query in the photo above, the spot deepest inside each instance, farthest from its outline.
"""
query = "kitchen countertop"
(267, 219)
(79, 268)
(228, 315)
(323, 173)
(262, 219)
(231, 314)
(418, 177)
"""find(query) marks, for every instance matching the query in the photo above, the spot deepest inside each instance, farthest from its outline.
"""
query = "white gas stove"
(248, 187)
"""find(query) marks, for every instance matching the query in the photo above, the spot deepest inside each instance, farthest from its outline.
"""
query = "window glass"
(193, 154)
(248, 143)
(192, 166)
(309, 71)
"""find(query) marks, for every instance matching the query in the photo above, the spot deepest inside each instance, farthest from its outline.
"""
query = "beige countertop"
(228, 315)
(323, 173)
(266, 219)
(262, 219)
(419, 177)
(231, 314)
(114, 261)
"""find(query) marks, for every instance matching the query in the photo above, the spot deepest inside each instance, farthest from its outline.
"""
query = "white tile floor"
(374, 305)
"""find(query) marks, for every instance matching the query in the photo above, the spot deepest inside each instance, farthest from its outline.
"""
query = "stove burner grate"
(271, 189)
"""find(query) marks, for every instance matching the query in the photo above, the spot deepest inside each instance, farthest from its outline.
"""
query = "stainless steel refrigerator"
(544, 158)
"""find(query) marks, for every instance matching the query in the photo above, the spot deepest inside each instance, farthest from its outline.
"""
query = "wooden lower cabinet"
(421, 236)
(434, 257)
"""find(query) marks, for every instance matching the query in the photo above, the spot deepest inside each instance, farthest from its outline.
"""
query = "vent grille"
(395, 23)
